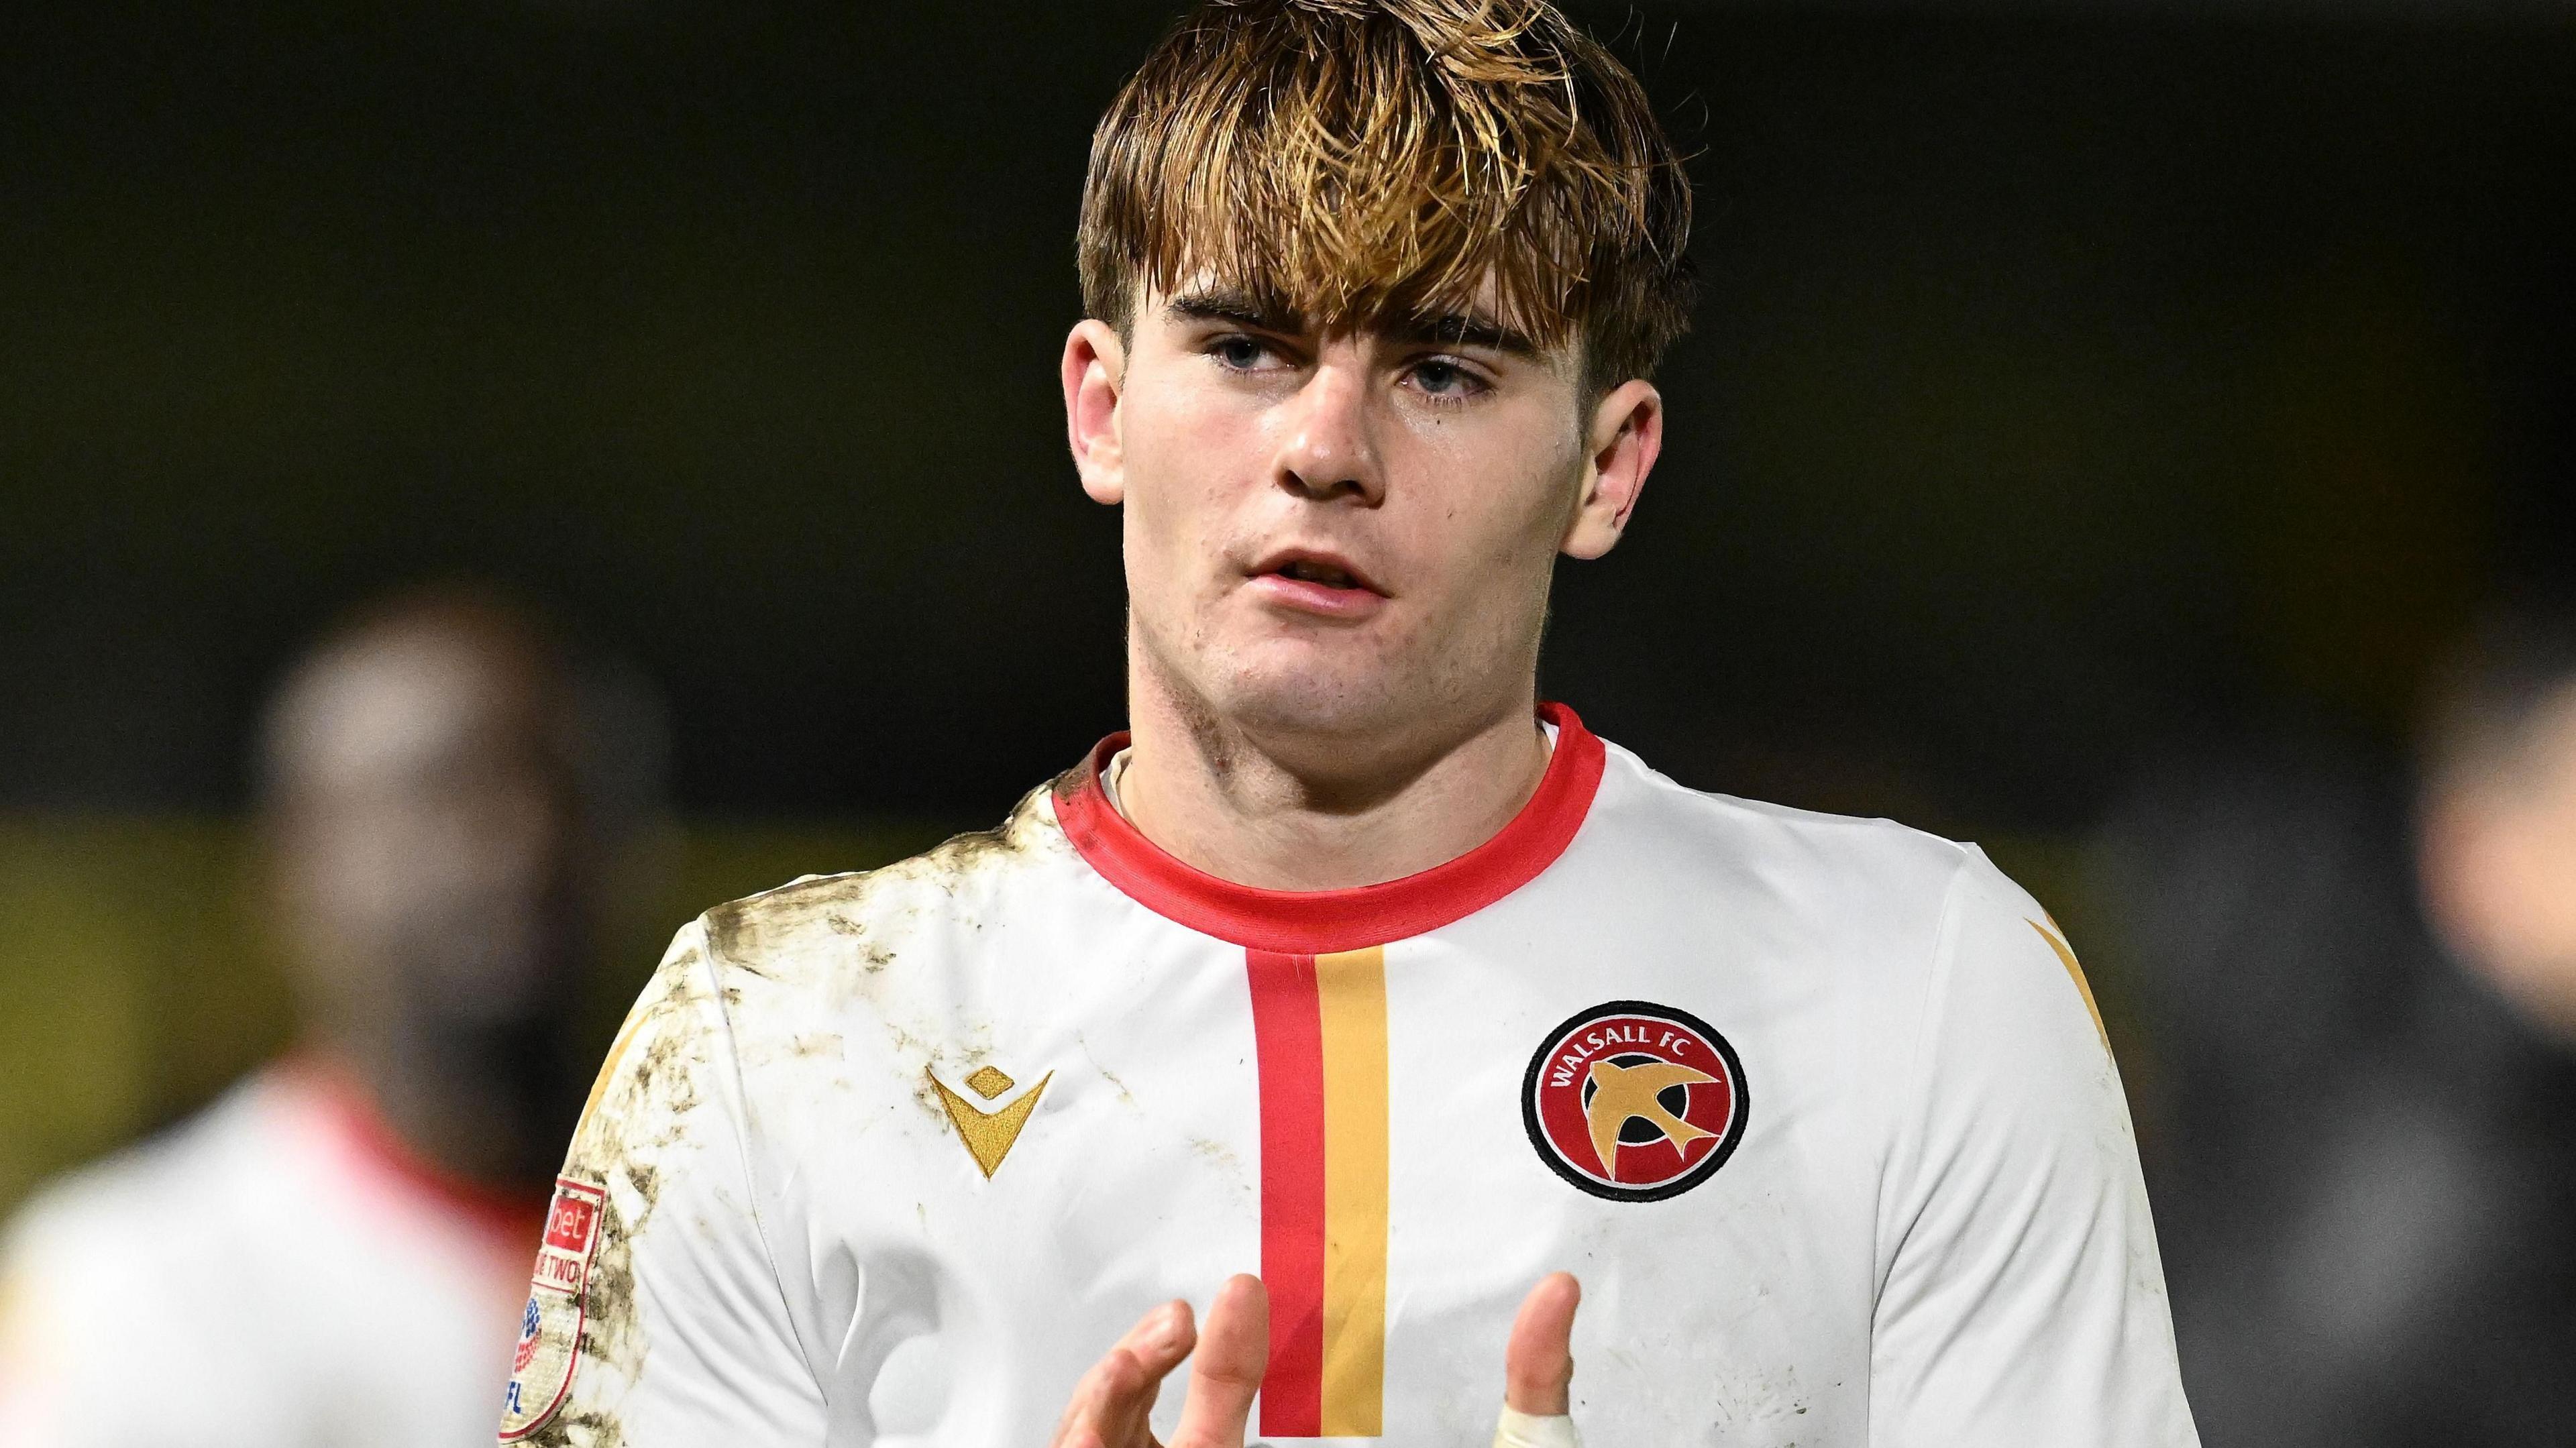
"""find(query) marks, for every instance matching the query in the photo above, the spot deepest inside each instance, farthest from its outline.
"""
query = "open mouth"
(1323, 584)
(1317, 569)
(1311, 570)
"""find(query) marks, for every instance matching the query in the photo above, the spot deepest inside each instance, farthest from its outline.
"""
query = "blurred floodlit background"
(2083, 394)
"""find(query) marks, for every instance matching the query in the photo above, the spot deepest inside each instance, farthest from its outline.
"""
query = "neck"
(488, 1112)
(1294, 810)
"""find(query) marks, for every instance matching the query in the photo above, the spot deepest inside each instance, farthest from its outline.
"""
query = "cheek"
(1500, 500)
(1190, 460)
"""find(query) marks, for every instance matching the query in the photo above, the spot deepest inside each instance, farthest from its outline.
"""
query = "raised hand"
(1110, 1404)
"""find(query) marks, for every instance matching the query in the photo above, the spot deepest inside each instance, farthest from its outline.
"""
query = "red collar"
(1319, 922)
(350, 1118)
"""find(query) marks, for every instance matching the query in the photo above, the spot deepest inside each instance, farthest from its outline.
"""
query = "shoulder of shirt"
(1890, 886)
(824, 922)
(151, 1196)
(1888, 856)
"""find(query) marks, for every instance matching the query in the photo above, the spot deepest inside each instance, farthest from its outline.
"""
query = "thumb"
(1538, 1363)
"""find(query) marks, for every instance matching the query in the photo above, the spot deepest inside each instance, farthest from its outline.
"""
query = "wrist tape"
(1520, 1430)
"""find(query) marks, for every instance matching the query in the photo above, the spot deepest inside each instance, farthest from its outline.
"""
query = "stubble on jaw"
(1210, 740)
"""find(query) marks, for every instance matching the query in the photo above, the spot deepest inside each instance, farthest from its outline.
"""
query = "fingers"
(1233, 1354)
(1110, 1404)
(1538, 1363)
(1161, 1338)
(1103, 1409)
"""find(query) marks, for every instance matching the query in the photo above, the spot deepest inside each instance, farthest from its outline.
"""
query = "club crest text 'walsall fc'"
(1635, 1102)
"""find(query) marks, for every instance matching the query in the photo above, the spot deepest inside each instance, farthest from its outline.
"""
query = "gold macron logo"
(988, 1134)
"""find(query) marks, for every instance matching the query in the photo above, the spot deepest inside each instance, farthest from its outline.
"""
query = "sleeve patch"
(558, 1299)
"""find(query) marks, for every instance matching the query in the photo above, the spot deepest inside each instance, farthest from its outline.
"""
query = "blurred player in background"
(2497, 812)
(2361, 989)
(1355, 963)
(332, 1253)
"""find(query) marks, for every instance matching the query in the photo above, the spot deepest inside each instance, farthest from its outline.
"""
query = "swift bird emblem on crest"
(988, 1134)
(1621, 1094)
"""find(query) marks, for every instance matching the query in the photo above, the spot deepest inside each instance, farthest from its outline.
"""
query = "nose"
(1330, 450)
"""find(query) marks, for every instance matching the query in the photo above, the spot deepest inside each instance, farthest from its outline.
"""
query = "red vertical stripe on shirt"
(1288, 1033)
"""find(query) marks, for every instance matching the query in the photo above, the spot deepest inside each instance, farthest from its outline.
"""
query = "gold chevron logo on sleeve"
(988, 1134)
(2074, 972)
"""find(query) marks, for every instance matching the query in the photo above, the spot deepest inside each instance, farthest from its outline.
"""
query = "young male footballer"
(1354, 968)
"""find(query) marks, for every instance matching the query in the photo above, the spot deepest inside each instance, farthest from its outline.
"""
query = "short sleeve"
(2022, 1303)
(655, 1317)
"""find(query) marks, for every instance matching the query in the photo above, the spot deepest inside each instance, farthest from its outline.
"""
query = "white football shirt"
(277, 1271)
(1817, 1109)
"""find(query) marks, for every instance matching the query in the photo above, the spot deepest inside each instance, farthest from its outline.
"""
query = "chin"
(1343, 688)
(1303, 695)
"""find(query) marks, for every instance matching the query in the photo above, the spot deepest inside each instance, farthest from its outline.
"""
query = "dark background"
(2067, 382)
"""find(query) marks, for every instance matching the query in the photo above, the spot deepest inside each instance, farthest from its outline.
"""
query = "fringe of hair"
(1354, 158)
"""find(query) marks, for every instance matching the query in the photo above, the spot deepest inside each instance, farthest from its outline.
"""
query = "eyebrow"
(1455, 329)
(1447, 329)
(1243, 309)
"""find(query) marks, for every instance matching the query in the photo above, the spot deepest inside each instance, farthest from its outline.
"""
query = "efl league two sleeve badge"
(558, 1301)
(1634, 1101)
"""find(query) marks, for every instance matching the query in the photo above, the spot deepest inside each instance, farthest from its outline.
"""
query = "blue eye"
(1447, 381)
(1239, 352)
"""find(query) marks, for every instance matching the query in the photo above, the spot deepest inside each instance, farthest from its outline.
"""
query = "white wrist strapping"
(1520, 1430)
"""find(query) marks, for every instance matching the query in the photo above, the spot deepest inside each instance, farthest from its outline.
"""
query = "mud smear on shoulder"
(833, 942)
(822, 918)
(643, 1112)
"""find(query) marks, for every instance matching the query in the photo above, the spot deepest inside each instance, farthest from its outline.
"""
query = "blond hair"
(1345, 160)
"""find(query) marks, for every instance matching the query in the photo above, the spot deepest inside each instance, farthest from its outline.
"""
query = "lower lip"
(1320, 599)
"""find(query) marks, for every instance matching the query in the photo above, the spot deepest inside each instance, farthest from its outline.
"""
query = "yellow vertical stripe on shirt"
(1351, 991)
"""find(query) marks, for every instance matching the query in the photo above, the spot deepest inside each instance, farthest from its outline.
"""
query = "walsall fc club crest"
(1634, 1101)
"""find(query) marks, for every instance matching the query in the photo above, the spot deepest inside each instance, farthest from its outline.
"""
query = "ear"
(1625, 436)
(1095, 368)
